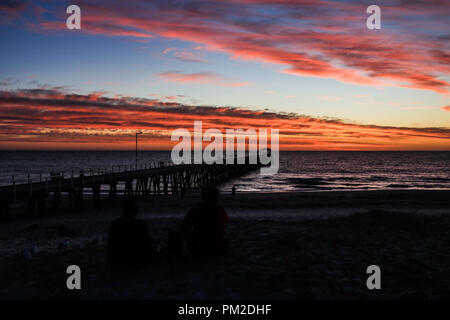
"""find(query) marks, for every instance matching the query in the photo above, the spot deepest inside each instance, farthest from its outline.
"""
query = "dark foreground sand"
(284, 246)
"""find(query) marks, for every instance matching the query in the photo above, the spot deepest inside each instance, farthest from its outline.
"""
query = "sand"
(313, 245)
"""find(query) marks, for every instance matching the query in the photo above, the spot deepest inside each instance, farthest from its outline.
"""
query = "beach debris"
(29, 251)
(98, 239)
(64, 244)
(33, 249)
(27, 254)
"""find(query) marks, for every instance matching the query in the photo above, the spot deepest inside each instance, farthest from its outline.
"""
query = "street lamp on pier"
(137, 133)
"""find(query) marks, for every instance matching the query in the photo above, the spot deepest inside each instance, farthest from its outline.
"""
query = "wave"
(307, 181)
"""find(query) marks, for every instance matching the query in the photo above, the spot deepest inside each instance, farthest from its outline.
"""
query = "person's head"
(210, 194)
(130, 207)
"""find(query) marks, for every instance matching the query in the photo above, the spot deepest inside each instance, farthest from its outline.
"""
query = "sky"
(311, 69)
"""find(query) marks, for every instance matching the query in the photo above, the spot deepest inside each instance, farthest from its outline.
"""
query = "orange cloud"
(36, 118)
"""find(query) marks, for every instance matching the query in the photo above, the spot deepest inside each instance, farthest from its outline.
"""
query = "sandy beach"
(305, 245)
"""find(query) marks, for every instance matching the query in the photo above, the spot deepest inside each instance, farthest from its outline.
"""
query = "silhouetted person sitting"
(129, 242)
(204, 225)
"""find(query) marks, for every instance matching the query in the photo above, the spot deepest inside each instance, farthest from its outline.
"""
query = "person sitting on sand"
(129, 242)
(204, 225)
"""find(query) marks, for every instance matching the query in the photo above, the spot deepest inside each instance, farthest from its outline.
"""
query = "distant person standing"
(129, 242)
(204, 225)
(233, 190)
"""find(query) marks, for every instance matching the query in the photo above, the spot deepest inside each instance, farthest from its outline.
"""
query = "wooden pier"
(156, 180)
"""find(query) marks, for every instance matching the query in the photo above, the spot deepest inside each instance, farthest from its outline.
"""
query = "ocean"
(299, 170)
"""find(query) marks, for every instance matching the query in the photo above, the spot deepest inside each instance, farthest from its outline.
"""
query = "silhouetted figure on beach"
(129, 242)
(204, 225)
(233, 190)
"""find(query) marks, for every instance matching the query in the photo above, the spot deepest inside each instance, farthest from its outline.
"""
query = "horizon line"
(169, 150)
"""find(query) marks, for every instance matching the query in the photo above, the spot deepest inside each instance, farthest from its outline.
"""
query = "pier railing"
(152, 179)
(28, 176)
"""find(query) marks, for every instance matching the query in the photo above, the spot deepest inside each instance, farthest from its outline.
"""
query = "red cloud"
(311, 38)
(446, 108)
(50, 117)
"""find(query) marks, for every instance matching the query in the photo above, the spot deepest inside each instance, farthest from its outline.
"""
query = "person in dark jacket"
(204, 225)
(129, 242)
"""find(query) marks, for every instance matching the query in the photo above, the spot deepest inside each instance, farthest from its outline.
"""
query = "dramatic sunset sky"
(309, 68)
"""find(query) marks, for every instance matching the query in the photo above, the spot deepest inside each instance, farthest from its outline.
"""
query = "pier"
(160, 179)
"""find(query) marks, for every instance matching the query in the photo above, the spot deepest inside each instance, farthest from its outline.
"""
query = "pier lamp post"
(137, 133)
